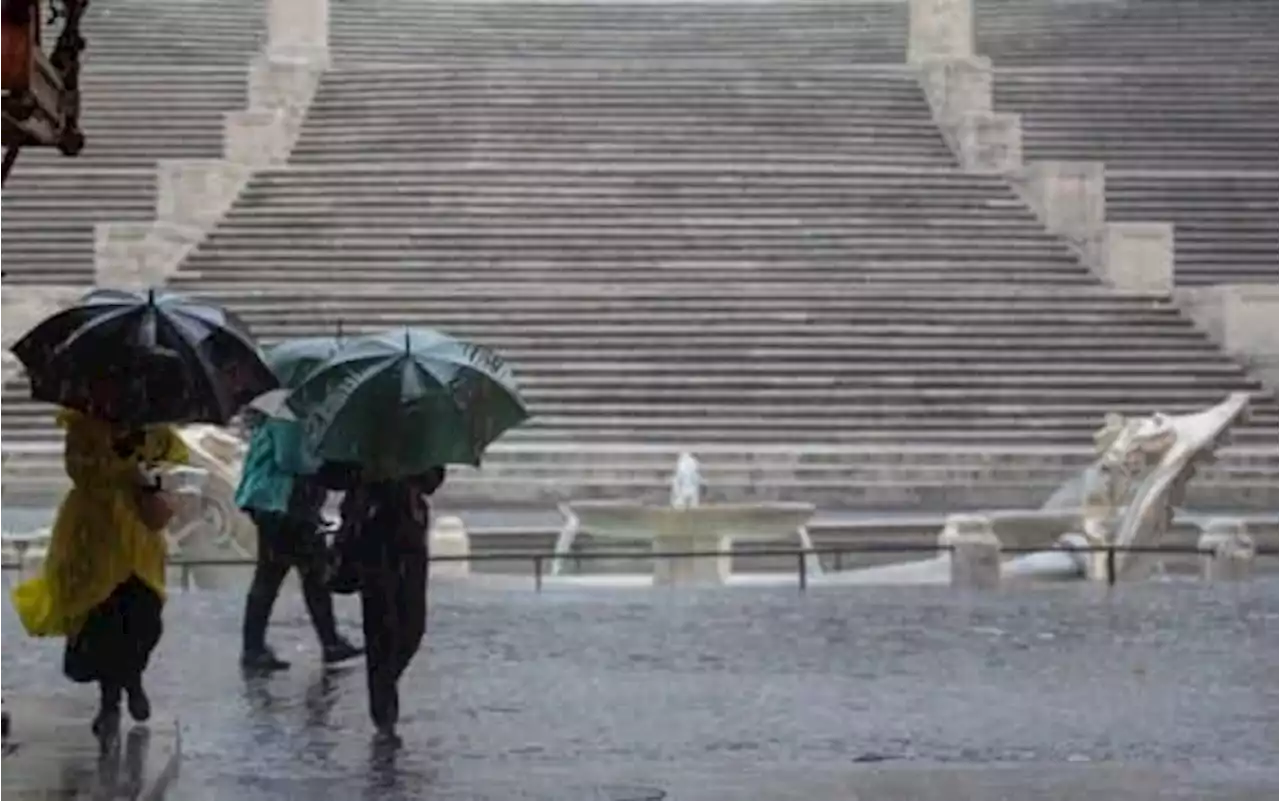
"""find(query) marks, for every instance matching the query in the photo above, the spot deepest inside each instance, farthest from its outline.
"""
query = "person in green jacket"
(278, 491)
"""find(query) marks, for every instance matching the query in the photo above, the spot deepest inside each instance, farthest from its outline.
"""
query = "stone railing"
(1068, 197)
(192, 195)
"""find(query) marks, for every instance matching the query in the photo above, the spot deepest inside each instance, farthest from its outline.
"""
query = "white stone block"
(939, 28)
(197, 192)
(975, 551)
(256, 139)
(449, 538)
(956, 87)
(990, 143)
(1251, 319)
(1228, 550)
(298, 29)
(1138, 257)
(282, 85)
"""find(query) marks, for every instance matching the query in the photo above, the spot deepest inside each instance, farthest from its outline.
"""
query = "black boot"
(107, 721)
(138, 702)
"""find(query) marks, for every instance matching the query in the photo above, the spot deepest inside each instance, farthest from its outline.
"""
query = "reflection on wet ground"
(637, 694)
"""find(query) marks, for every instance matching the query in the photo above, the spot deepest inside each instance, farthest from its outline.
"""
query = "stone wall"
(193, 194)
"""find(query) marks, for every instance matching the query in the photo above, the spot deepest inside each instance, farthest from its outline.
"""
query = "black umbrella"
(136, 358)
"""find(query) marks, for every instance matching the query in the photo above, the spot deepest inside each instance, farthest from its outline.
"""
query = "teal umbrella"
(407, 400)
(291, 361)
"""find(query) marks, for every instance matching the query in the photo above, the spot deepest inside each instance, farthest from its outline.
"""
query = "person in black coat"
(393, 519)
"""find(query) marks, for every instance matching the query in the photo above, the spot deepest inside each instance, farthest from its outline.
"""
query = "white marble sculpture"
(1126, 497)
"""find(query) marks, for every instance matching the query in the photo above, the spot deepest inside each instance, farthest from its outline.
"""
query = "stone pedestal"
(255, 138)
(990, 143)
(449, 538)
(298, 30)
(956, 87)
(1228, 550)
(939, 28)
(975, 552)
(684, 571)
(140, 255)
(195, 193)
(1138, 257)
(1070, 198)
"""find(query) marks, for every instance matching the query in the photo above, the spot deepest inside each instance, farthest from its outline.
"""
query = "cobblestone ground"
(844, 693)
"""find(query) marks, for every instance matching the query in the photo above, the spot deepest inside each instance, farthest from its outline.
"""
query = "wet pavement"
(52, 754)
(1149, 691)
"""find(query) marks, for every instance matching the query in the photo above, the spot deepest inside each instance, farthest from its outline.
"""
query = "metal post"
(184, 576)
(1111, 565)
(803, 569)
(537, 574)
(837, 559)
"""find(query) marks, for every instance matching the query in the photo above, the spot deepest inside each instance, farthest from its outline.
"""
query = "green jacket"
(277, 454)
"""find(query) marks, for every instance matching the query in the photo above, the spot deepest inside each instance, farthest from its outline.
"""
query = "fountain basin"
(695, 528)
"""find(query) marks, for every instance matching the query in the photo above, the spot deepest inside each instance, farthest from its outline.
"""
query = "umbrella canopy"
(155, 357)
(292, 361)
(401, 402)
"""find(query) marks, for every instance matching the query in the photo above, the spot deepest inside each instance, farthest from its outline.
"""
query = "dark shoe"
(263, 660)
(340, 651)
(138, 703)
(386, 737)
(107, 722)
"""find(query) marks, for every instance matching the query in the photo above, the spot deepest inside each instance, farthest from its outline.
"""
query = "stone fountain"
(686, 525)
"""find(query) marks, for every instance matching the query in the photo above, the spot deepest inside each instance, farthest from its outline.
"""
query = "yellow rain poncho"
(98, 537)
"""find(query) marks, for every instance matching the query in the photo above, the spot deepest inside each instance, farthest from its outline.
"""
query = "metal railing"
(540, 559)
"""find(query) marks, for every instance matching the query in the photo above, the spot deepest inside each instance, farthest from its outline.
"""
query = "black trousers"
(115, 643)
(285, 543)
(393, 599)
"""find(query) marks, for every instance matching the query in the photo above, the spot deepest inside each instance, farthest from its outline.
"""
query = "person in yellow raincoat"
(102, 584)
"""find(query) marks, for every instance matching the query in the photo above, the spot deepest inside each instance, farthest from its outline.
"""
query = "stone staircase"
(1176, 98)
(624, 113)
(426, 34)
(1194, 148)
(753, 244)
(1126, 33)
(1225, 222)
(1149, 119)
(158, 79)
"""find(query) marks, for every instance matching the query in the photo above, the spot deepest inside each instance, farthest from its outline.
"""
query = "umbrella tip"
(408, 348)
(151, 296)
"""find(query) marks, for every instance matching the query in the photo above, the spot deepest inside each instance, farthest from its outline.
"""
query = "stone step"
(339, 273)
(484, 218)
(874, 242)
(718, 173)
(381, 150)
(21, 413)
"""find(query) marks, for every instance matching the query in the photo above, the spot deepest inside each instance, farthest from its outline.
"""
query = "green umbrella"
(406, 400)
